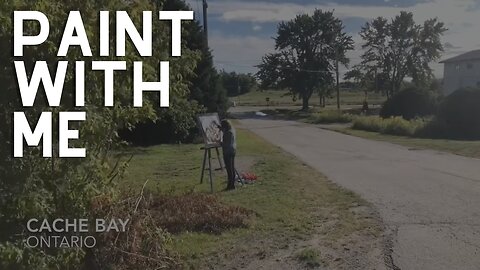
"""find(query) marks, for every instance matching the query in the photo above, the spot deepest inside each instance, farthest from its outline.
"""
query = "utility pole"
(337, 55)
(205, 23)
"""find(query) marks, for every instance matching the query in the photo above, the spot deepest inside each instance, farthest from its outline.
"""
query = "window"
(478, 84)
(469, 65)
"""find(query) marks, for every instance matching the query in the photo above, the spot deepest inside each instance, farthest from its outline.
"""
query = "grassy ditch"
(457, 147)
(288, 203)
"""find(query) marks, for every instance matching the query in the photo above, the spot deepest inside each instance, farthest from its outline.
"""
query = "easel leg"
(219, 159)
(203, 166)
(239, 177)
(210, 170)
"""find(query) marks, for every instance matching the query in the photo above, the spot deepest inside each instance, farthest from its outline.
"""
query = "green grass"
(462, 148)
(329, 117)
(258, 98)
(289, 200)
(279, 98)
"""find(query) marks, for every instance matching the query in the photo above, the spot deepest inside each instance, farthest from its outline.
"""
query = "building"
(461, 71)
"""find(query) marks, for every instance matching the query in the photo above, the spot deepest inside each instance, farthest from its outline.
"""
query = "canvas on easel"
(209, 124)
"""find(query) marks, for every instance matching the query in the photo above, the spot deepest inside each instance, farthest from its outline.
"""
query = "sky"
(242, 31)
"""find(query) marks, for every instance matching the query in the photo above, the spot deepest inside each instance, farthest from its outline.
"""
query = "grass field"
(462, 148)
(280, 98)
(291, 201)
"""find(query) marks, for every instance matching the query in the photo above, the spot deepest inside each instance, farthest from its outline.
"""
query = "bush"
(329, 117)
(369, 123)
(459, 115)
(144, 245)
(392, 126)
(409, 104)
(401, 127)
(175, 125)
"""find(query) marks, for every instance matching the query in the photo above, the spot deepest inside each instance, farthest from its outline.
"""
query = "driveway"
(430, 201)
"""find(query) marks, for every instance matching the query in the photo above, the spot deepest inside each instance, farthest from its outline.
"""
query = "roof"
(472, 55)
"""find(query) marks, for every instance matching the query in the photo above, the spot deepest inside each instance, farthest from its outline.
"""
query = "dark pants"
(229, 160)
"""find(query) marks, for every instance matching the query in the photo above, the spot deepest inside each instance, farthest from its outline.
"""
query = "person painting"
(229, 148)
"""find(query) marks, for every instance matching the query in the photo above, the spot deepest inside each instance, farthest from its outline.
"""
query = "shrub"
(392, 126)
(459, 115)
(369, 123)
(329, 117)
(175, 125)
(409, 104)
(401, 127)
(144, 245)
(434, 129)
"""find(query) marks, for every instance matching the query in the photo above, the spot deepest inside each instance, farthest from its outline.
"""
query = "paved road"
(430, 200)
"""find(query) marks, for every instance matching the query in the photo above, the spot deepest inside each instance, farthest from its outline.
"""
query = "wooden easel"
(207, 155)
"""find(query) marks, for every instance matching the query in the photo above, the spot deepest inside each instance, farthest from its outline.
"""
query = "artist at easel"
(229, 149)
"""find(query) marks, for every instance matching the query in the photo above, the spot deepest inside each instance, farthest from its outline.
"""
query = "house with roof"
(461, 71)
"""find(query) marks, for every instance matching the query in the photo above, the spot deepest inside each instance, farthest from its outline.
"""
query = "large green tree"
(307, 49)
(50, 188)
(401, 48)
(205, 93)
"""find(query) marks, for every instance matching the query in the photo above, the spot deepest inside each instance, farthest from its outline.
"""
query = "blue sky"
(241, 31)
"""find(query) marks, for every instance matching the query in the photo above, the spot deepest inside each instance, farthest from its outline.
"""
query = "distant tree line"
(236, 84)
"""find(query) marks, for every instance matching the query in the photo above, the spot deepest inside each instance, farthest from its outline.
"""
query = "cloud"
(276, 12)
(460, 17)
(241, 54)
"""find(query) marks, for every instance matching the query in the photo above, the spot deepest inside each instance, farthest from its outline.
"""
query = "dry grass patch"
(198, 212)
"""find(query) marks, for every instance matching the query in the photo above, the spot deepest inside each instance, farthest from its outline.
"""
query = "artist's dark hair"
(226, 124)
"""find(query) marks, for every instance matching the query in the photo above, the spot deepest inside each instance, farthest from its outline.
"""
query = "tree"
(205, 86)
(359, 79)
(364, 81)
(205, 93)
(237, 84)
(401, 48)
(307, 48)
(37, 187)
(341, 45)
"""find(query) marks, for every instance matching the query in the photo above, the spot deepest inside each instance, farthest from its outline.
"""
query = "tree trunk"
(305, 106)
